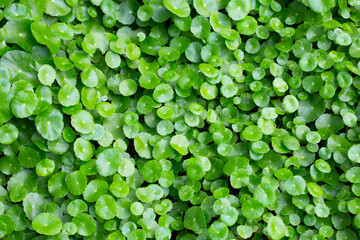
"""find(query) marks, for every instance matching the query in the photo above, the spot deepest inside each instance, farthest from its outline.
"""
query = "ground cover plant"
(179, 119)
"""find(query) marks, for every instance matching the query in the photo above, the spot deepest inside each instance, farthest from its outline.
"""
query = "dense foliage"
(179, 119)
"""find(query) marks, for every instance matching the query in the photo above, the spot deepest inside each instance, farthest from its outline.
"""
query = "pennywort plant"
(179, 119)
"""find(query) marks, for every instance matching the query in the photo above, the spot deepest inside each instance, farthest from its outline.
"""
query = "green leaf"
(49, 124)
(23, 104)
(291, 104)
(126, 10)
(133, 52)
(5, 106)
(18, 31)
(354, 49)
(314, 189)
(311, 108)
(36, 8)
(163, 93)
(206, 7)
(252, 209)
(83, 122)
(208, 91)
(194, 220)
(276, 228)
(108, 162)
(43, 35)
(46, 74)
(21, 66)
(57, 185)
(354, 153)
(179, 7)
(295, 185)
(76, 182)
(180, 144)
(83, 149)
(229, 216)
(68, 95)
(244, 231)
(95, 189)
(265, 194)
(56, 8)
(151, 171)
(76, 207)
(47, 224)
(34, 204)
(238, 9)
(308, 62)
(112, 59)
(352, 175)
(106, 207)
(149, 80)
(45, 167)
(6, 225)
(321, 6)
(17, 11)
(218, 230)
(8, 134)
(252, 133)
(10, 165)
(28, 157)
(85, 224)
(142, 146)
(200, 27)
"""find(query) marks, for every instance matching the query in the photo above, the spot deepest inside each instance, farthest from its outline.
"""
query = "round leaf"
(50, 124)
(47, 224)
(108, 162)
